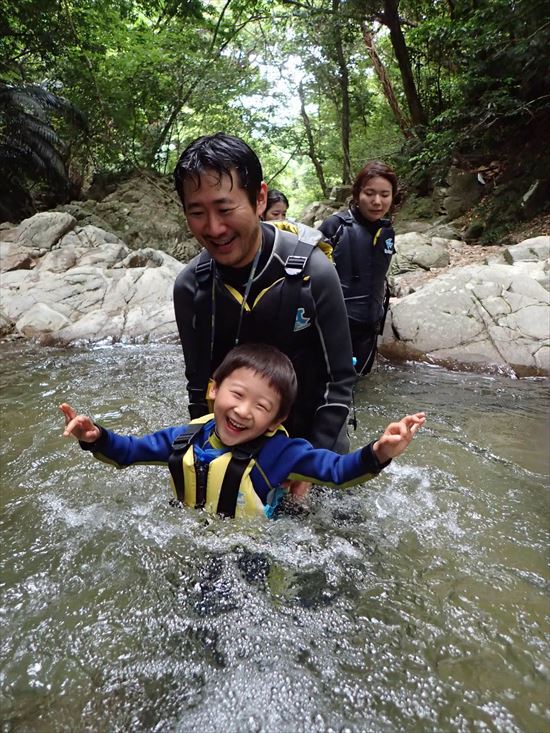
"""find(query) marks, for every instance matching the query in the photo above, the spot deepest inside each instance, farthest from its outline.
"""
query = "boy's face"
(245, 406)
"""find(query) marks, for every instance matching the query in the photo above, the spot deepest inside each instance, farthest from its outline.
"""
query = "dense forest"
(107, 87)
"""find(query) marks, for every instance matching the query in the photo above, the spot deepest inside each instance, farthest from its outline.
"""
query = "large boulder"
(316, 213)
(84, 284)
(493, 315)
(144, 211)
(415, 250)
(458, 193)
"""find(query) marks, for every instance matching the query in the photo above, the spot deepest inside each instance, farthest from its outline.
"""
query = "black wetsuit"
(312, 333)
(362, 254)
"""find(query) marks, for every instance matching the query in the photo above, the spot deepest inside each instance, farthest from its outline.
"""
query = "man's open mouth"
(222, 245)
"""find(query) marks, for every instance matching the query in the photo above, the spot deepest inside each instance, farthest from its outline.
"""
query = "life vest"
(280, 310)
(222, 486)
(362, 261)
(306, 234)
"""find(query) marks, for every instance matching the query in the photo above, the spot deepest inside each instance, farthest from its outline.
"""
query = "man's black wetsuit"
(309, 324)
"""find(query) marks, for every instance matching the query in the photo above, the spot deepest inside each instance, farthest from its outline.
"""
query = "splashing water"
(417, 602)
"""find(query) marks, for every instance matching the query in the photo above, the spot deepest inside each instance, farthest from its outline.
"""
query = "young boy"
(235, 461)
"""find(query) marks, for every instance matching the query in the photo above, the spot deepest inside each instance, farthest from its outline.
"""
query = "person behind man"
(234, 461)
(276, 206)
(364, 242)
(256, 283)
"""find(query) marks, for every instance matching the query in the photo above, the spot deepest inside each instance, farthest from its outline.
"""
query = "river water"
(417, 602)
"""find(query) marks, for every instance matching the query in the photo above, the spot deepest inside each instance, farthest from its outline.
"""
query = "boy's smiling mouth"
(235, 425)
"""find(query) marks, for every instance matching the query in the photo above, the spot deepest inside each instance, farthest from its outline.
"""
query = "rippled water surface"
(418, 602)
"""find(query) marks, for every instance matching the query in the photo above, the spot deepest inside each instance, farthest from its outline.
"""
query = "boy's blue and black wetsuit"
(258, 492)
(303, 315)
(362, 254)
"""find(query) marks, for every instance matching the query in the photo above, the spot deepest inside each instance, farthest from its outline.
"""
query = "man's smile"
(223, 243)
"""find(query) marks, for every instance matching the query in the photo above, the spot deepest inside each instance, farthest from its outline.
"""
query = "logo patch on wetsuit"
(388, 246)
(301, 321)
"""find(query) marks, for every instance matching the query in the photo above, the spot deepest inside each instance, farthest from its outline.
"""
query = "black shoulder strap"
(175, 465)
(240, 458)
(347, 219)
(294, 267)
(203, 310)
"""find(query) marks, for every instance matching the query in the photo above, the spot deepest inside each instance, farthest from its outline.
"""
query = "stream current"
(416, 602)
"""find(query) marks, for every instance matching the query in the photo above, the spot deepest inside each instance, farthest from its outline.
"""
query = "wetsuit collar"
(372, 226)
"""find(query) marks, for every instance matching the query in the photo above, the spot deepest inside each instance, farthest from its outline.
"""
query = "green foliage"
(30, 148)
(150, 75)
(489, 63)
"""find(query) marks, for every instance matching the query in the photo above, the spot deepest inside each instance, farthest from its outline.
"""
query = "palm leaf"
(30, 148)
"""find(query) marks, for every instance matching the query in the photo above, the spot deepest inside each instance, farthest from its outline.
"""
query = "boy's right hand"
(80, 426)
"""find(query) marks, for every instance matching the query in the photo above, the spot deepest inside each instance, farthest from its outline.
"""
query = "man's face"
(222, 218)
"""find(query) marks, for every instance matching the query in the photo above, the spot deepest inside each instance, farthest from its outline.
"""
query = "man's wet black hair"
(220, 154)
(268, 362)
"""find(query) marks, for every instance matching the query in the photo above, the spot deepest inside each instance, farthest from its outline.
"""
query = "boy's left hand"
(397, 436)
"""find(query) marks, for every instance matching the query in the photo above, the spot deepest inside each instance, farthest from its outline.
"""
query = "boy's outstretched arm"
(397, 436)
(79, 426)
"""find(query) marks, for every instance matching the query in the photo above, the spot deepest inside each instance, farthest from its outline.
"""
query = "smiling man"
(255, 283)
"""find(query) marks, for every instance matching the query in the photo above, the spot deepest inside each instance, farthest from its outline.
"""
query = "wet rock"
(493, 315)
(85, 285)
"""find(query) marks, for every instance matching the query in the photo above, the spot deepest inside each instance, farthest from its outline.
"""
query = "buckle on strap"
(295, 265)
(183, 440)
(181, 443)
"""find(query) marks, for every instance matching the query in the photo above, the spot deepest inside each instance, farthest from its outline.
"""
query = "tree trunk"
(386, 83)
(343, 76)
(390, 18)
(311, 143)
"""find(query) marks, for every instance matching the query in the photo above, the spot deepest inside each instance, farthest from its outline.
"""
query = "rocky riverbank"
(453, 303)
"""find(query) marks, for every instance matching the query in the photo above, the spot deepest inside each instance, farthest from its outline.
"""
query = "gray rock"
(144, 211)
(417, 251)
(318, 211)
(459, 192)
(43, 231)
(443, 230)
(341, 194)
(491, 315)
(14, 256)
(406, 226)
(90, 287)
(535, 249)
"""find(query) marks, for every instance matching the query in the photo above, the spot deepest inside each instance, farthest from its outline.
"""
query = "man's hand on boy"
(299, 489)
(397, 436)
(79, 426)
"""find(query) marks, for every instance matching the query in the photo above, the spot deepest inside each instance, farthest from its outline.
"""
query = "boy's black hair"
(268, 362)
(220, 154)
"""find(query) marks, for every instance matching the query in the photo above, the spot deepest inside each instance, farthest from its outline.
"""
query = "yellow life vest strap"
(241, 456)
(179, 448)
